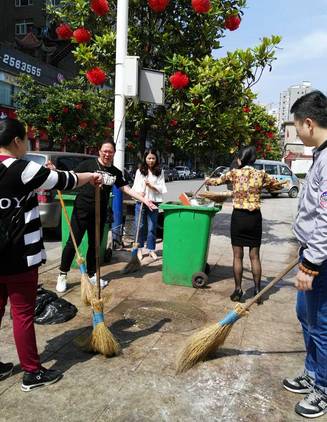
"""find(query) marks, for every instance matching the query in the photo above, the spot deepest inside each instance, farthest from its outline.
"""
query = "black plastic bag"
(43, 298)
(56, 312)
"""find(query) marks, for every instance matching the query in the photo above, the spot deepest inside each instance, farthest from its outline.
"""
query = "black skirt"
(246, 228)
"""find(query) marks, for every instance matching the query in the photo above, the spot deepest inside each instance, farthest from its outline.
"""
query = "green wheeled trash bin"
(69, 203)
(187, 231)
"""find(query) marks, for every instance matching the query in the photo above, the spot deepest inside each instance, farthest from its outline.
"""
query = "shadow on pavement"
(69, 352)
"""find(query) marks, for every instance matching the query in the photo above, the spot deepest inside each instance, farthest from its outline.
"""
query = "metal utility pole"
(119, 112)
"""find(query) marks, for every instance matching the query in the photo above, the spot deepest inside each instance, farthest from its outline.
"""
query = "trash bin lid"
(178, 206)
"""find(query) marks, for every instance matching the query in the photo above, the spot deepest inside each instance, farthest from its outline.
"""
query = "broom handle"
(272, 283)
(198, 190)
(69, 225)
(97, 239)
(138, 224)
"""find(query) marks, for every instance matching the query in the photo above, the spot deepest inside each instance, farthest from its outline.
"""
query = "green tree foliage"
(71, 112)
(206, 115)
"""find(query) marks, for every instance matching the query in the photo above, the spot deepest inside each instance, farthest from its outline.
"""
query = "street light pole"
(119, 112)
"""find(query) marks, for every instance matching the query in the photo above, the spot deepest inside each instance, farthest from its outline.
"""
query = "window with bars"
(23, 27)
(23, 3)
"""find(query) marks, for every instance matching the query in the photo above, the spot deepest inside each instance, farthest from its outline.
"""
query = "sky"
(303, 50)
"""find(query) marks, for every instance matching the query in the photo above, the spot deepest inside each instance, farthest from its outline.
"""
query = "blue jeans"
(151, 218)
(311, 311)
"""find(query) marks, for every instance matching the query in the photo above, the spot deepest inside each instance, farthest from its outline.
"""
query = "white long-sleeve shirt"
(158, 182)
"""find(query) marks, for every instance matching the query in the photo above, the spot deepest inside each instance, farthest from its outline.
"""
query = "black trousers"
(82, 220)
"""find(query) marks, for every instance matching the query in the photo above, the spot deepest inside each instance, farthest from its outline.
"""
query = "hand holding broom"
(206, 341)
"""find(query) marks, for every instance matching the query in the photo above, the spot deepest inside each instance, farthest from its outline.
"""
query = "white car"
(183, 172)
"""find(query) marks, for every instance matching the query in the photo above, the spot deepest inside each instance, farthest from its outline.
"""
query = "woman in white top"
(150, 182)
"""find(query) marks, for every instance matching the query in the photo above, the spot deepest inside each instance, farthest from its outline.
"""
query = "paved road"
(151, 320)
(53, 246)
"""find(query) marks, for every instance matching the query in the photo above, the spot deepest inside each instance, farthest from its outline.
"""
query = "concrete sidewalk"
(242, 382)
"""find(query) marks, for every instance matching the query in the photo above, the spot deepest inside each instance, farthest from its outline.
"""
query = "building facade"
(287, 99)
(29, 45)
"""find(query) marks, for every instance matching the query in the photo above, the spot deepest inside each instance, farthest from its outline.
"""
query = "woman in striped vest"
(24, 250)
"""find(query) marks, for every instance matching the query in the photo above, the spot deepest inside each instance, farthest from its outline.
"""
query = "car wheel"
(293, 192)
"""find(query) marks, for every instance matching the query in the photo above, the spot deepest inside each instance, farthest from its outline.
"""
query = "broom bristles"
(87, 290)
(132, 266)
(206, 341)
(101, 340)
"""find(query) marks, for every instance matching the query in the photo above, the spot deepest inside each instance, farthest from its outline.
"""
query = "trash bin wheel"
(199, 280)
(207, 269)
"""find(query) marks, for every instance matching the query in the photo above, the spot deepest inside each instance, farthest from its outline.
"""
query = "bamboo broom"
(101, 339)
(86, 287)
(134, 263)
(207, 340)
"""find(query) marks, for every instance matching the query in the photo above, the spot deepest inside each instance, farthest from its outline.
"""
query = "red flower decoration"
(99, 7)
(78, 106)
(96, 76)
(173, 122)
(201, 6)
(232, 22)
(50, 118)
(83, 124)
(64, 31)
(82, 35)
(158, 5)
(257, 128)
(270, 135)
(246, 109)
(65, 109)
(179, 80)
(111, 125)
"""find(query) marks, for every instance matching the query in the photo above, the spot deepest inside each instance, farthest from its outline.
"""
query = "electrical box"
(152, 86)
(131, 79)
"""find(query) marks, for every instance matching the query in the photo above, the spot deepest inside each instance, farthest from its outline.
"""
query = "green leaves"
(209, 111)
(71, 112)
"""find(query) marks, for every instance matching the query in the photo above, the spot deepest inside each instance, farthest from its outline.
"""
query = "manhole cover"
(163, 316)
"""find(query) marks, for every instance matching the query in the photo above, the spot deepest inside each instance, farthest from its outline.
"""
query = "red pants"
(21, 290)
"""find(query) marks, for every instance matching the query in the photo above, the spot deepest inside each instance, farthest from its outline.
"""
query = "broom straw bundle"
(134, 263)
(86, 287)
(207, 340)
(101, 339)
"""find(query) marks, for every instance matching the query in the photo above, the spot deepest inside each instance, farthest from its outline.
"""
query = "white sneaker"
(61, 286)
(103, 283)
(153, 255)
(140, 254)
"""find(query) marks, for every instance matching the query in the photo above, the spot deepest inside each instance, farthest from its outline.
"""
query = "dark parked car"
(50, 209)
(220, 170)
(170, 173)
